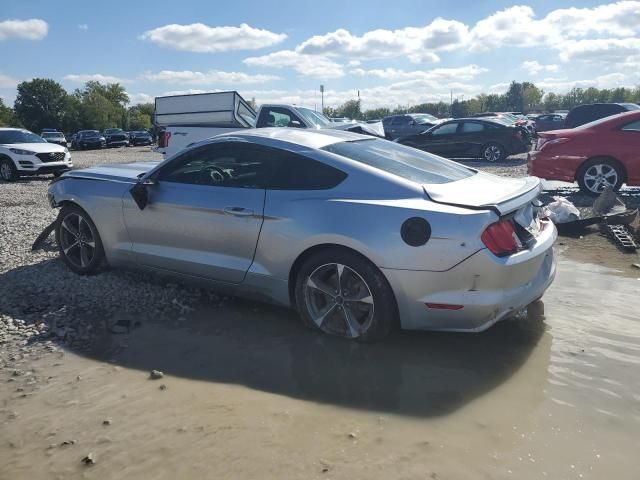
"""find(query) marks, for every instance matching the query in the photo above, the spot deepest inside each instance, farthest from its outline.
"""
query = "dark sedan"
(88, 139)
(140, 138)
(116, 137)
(492, 140)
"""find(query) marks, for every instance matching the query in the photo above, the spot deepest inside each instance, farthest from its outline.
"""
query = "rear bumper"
(553, 167)
(488, 288)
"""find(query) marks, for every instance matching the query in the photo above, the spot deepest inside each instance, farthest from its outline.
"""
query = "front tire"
(343, 294)
(78, 241)
(493, 152)
(598, 173)
(8, 171)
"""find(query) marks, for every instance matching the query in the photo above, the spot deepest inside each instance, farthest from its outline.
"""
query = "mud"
(249, 393)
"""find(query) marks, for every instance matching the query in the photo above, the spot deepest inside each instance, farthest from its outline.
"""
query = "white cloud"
(7, 82)
(198, 37)
(610, 80)
(32, 29)
(212, 76)
(136, 98)
(533, 67)
(308, 65)
(517, 26)
(95, 77)
(83, 26)
(609, 50)
(417, 43)
(465, 73)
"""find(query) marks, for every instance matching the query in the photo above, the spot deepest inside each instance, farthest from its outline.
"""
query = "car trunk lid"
(483, 191)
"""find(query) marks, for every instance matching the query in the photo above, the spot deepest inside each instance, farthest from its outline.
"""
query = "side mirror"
(295, 124)
(140, 192)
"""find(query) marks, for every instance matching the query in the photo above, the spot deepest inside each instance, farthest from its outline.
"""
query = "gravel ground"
(41, 301)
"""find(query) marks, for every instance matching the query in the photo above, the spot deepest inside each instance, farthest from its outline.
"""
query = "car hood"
(486, 191)
(122, 172)
(36, 147)
(375, 129)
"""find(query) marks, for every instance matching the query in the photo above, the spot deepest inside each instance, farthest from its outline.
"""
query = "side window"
(545, 118)
(446, 129)
(279, 117)
(236, 166)
(296, 172)
(472, 127)
(632, 127)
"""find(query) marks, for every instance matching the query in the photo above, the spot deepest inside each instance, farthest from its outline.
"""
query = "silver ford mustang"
(357, 233)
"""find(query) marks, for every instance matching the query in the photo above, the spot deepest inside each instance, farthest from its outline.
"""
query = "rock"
(106, 422)
(156, 374)
(89, 460)
(67, 443)
(353, 435)
(635, 265)
(162, 387)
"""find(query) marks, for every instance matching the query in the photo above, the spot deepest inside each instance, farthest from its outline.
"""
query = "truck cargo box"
(219, 109)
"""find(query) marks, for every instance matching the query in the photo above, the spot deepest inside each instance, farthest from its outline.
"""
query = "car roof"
(9, 129)
(310, 138)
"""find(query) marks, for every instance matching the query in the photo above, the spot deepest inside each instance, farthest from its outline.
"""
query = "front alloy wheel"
(78, 240)
(8, 171)
(492, 153)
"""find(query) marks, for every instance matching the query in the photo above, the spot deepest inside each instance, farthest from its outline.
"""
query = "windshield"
(90, 133)
(7, 137)
(405, 162)
(313, 117)
(113, 130)
(423, 118)
(51, 135)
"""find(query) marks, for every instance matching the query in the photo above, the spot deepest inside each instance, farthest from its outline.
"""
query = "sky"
(393, 52)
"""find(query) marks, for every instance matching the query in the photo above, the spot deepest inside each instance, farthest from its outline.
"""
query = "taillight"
(164, 139)
(501, 239)
(555, 141)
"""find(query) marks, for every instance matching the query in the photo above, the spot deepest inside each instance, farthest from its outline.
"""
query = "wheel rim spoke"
(319, 285)
(70, 247)
(322, 317)
(85, 259)
(66, 223)
(351, 323)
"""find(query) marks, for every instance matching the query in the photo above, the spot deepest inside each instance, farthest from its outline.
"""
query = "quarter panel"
(296, 221)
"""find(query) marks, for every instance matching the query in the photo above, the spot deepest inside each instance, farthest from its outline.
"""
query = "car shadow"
(266, 348)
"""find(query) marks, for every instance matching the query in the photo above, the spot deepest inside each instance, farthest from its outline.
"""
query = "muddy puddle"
(251, 394)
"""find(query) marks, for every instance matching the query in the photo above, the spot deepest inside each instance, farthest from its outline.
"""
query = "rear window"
(405, 162)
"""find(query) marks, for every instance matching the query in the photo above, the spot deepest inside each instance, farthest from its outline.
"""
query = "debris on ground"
(89, 460)
(106, 422)
(561, 210)
(162, 387)
(156, 374)
(608, 203)
(622, 237)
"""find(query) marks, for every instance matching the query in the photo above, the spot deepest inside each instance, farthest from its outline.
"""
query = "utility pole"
(322, 98)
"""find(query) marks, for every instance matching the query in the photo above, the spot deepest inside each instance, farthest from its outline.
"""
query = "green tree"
(40, 103)
(7, 117)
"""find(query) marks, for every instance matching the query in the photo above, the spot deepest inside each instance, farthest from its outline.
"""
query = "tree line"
(44, 103)
(522, 97)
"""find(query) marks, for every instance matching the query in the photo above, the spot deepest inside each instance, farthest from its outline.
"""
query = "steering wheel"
(217, 175)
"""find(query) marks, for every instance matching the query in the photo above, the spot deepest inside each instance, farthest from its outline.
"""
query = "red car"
(597, 154)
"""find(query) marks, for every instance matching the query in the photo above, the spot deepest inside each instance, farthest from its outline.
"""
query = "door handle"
(238, 211)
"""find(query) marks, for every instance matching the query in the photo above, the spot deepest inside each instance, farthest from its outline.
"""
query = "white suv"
(25, 153)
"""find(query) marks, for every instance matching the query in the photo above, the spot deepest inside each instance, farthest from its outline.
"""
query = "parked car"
(549, 121)
(528, 125)
(439, 246)
(396, 126)
(596, 155)
(54, 137)
(88, 139)
(24, 153)
(115, 137)
(141, 137)
(588, 113)
(492, 140)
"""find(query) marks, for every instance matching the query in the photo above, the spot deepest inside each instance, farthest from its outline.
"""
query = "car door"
(204, 213)
(470, 138)
(441, 140)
